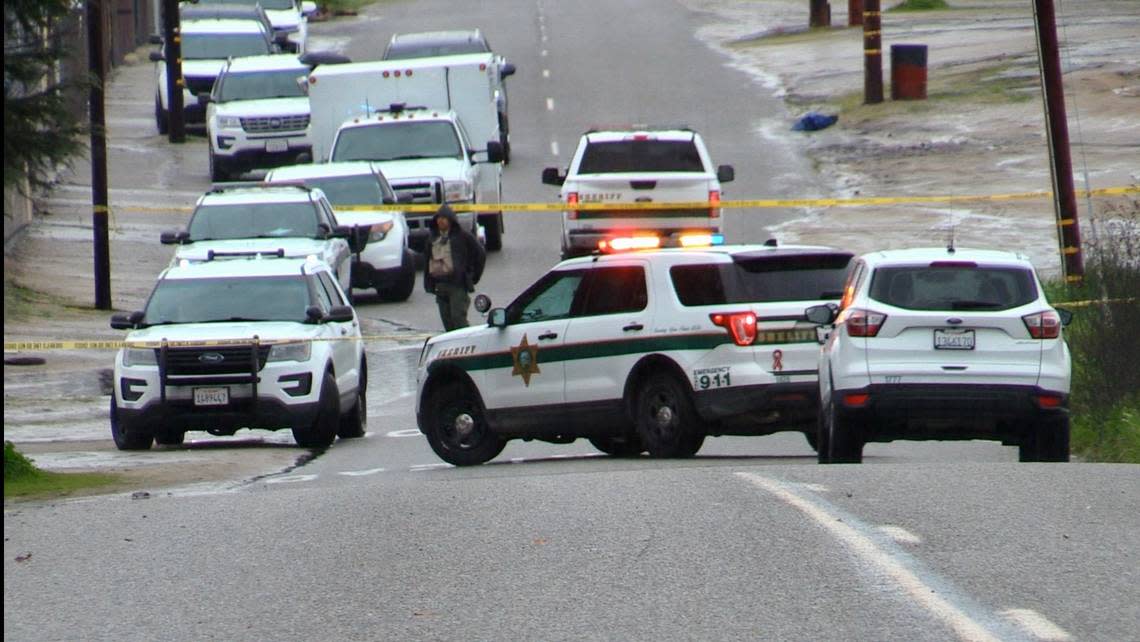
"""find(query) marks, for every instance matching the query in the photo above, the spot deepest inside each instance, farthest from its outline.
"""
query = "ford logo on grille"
(275, 123)
(211, 358)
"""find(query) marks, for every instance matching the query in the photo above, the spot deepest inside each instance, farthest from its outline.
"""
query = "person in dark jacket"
(455, 260)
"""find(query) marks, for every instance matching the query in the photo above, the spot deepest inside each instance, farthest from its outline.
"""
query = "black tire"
(666, 421)
(813, 440)
(128, 437)
(407, 284)
(219, 173)
(822, 434)
(161, 117)
(322, 432)
(1046, 440)
(505, 138)
(456, 427)
(844, 439)
(493, 225)
(169, 438)
(629, 446)
(354, 422)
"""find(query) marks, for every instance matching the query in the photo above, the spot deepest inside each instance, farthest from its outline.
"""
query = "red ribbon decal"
(777, 360)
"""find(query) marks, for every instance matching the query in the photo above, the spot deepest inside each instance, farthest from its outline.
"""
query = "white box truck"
(431, 124)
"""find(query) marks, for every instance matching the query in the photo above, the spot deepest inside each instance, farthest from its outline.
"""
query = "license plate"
(953, 339)
(211, 396)
(277, 145)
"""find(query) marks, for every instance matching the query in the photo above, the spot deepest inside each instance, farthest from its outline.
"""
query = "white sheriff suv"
(258, 115)
(226, 345)
(943, 343)
(640, 351)
(387, 262)
(628, 170)
(239, 220)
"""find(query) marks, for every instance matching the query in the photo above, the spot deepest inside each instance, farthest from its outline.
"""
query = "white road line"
(545, 73)
(361, 473)
(817, 488)
(290, 479)
(554, 148)
(900, 534)
(549, 104)
(517, 460)
(1037, 625)
(409, 432)
(542, 53)
(963, 625)
(421, 467)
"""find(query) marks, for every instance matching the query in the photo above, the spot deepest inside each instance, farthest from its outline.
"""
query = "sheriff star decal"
(525, 358)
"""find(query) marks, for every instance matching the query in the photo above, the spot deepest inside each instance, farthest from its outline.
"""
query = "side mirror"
(389, 200)
(552, 176)
(304, 158)
(356, 235)
(507, 69)
(156, 56)
(497, 318)
(1066, 316)
(204, 99)
(313, 314)
(178, 237)
(482, 303)
(308, 8)
(340, 314)
(821, 314)
(154, 39)
(494, 151)
(126, 321)
(725, 173)
(280, 39)
(405, 198)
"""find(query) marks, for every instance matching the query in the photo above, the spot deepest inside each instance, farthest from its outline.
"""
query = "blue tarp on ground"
(814, 120)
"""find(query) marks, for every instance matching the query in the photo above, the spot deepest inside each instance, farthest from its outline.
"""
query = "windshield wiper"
(413, 157)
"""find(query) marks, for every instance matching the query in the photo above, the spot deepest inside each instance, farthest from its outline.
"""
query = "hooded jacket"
(467, 254)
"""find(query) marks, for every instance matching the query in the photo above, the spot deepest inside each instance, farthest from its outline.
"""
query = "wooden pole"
(97, 66)
(872, 53)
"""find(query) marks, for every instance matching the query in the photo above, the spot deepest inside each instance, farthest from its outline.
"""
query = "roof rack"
(215, 254)
(638, 127)
(219, 188)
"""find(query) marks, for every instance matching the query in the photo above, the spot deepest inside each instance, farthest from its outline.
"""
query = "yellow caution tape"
(1083, 304)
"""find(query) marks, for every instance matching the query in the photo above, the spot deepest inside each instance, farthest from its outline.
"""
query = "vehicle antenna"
(950, 241)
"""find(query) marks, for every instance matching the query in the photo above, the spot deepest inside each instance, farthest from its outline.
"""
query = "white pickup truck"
(638, 165)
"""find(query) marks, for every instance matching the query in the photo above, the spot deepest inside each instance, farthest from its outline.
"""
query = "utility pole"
(872, 53)
(1057, 125)
(172, 37)
(96, 65)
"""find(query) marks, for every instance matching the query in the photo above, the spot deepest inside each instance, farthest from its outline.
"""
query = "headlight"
(379, 231)
(229, 122)
(290, 351)
(139, 357)
(456, 191)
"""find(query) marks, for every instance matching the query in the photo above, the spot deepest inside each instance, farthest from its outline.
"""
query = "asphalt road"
(377, 539)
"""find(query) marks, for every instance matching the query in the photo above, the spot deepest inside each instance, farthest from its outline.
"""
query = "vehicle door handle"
(633, 326)
(547, 335)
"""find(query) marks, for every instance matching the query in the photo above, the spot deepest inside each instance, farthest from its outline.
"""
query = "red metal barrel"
(908, 72)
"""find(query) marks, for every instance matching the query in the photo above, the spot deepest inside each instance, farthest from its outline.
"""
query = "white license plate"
(211, 396)
(953, 339)
(276, 145)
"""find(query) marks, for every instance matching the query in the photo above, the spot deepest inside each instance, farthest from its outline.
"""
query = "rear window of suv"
(965, 287)
(767, 279)
(641, 156)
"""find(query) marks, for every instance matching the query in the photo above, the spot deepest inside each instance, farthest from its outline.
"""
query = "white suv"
(636, 351)
(239, 221)
(226, 345)
(289, 19)
(387, 262)
(943, 343)
(258, 115)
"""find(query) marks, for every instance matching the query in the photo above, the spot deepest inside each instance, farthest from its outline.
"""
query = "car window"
(853, 283)
(278, 298)
(762, 279)
(613, 290)
(323, 299)
(406, 140)
(953, 287)
(641, 156)
(260, 85)
(362, 189)
(552, 297)
(214, 46)
(402, 50)
(253, 220)
(331, 291)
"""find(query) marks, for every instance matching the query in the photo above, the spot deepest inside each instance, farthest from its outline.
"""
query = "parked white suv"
(240, 220)
(289, 18)
(226, 345)
(636, 351)
(943, 343)
(258, 115)
(387, 262)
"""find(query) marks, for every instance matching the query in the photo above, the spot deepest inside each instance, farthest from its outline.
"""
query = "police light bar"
(625, 243)
(701, 240)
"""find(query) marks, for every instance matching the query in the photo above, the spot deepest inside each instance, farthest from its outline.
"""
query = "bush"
(16, 465)
(920, 5)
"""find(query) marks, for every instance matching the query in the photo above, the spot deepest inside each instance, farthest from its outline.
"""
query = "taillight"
(862, 323)
(740, 325)
(1043, 325)
(1048, 401)
(856, 399)
(714, 203)
(571, 201)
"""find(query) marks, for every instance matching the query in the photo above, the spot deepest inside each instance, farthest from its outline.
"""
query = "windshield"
(401, 51)
(362, 189)
(219, 46)
(762, 280)
(253, 220)
(398, 141)
(261, 84)
(275, 298)
(641, 156)
(953, 287)
(265, 4)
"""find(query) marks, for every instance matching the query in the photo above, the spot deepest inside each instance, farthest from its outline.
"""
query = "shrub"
(919, 5)
(16, 465)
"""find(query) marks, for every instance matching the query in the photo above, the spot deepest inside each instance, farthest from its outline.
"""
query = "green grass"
(920, 5)
(343, 5)
(22, 479)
